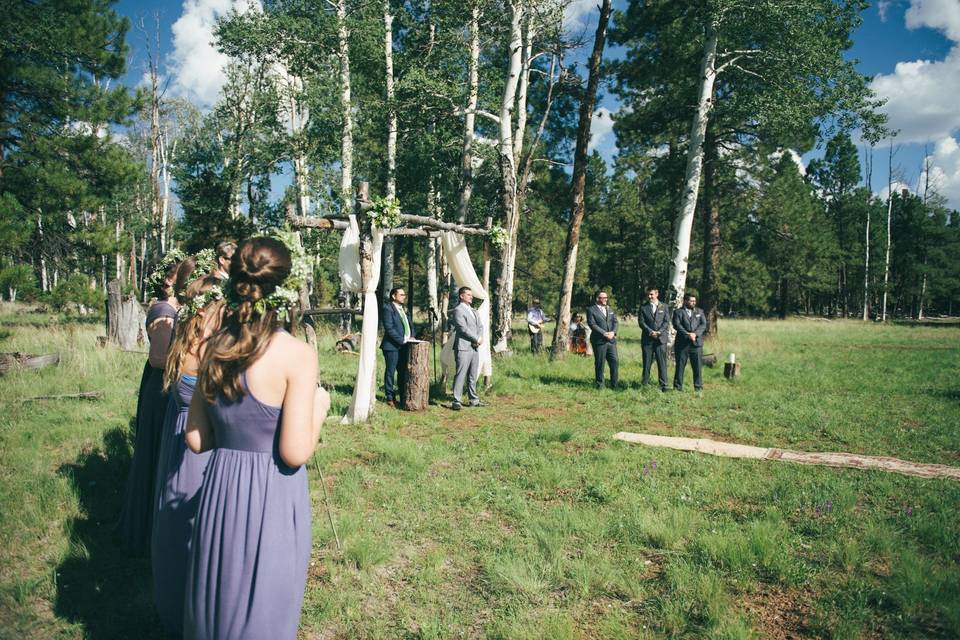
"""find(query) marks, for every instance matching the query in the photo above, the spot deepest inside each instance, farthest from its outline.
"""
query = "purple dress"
(179, 476)
(251, 543)
(136, 518)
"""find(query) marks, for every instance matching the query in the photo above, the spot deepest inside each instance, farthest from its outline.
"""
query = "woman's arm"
(304, 407)
(199, 434)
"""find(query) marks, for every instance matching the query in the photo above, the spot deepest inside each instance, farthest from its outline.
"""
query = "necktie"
(406, 325)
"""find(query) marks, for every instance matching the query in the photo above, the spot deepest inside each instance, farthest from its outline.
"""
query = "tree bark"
(508, 186)
(346, 132)
(469, 119)
(683, 226)
(416, 392)
(387, 255)
(578, 186)
(710, 287)
(125, 318)
(886, 261)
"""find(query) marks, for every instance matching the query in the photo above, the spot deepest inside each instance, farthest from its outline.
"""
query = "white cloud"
(897, 188)
(602, 137)
(945, 171)
(197, 67)
(943, 15)
(882, 7)
(577, 14)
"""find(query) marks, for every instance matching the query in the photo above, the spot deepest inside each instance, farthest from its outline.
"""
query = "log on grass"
(709, 359)
(416, 393)
(83, 395)
(17, 359)
(125, 318)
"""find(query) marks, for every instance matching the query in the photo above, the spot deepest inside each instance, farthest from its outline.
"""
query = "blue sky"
(910, 47)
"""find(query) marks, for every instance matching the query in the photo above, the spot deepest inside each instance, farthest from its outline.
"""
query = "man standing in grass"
(467, 338)
(654, 325)
(603, 338)
(535, 319)
(690, 323)
(397, 333)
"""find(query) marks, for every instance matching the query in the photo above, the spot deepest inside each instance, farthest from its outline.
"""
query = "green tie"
(406, 326)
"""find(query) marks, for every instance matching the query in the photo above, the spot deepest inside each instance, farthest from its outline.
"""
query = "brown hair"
(182, 277)
(162, 290)
(257, 268)
(189, 334)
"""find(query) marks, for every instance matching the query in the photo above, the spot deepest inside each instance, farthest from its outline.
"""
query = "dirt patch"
(909, 423)
(778, 613)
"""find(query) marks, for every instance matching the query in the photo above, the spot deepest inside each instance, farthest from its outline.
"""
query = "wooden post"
(416, 393)
(125, 318)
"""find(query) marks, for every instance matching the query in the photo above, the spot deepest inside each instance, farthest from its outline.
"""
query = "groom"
(467, 338)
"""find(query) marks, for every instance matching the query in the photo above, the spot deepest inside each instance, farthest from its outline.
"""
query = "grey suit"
(683, 347)
(467, 333)
(604, 350)
(654, 320)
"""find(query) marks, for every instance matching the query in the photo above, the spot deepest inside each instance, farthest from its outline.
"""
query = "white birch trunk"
(469, 120)
(523, 89)
(391, 107)
(432, 298)
(44, 280)
(886, 260)
(866, 271)
(683, 226)
(508, 174)
(346, 134)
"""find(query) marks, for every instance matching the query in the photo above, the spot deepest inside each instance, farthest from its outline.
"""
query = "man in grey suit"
(690, 323)
(467, 338)
(654, 326)
(603, 338)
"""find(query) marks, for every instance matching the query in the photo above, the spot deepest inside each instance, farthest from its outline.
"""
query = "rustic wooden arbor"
(369, 241)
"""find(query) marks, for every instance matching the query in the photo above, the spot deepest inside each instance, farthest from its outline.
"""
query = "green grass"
(524, 519)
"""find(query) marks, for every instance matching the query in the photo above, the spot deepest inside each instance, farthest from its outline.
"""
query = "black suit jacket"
(393, 328)
(696, 324)
(600, 324)
(654, 321)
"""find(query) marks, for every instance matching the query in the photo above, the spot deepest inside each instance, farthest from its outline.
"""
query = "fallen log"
(17, 359)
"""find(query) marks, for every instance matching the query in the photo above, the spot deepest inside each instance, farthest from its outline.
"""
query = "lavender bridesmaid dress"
(136, 518)
(179, 476)
(251, 543)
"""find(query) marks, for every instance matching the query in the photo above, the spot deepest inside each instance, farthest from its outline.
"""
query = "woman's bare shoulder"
(288, 346)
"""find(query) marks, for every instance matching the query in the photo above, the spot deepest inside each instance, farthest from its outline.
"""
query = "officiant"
(397, 334)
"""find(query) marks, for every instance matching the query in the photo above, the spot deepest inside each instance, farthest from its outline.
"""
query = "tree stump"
(416, 394)
(731, 370)
(125, 318)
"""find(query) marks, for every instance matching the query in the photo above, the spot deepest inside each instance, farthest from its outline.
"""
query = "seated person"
(578, 335)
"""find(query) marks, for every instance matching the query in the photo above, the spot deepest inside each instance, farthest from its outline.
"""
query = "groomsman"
(691, 324)
(654, 325)
(467, 338)
(397, 332)
(603, 338)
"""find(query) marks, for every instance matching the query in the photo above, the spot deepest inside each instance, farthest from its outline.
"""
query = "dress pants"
(468, 364)
(605, 352)
(655, 349)
(695, 354)
(536, 341)
(393, 361)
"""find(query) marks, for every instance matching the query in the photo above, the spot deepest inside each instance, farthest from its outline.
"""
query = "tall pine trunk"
(710, 287)
(578, 186)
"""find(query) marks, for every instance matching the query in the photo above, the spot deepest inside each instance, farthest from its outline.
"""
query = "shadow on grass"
(566, 381)
(98, 586)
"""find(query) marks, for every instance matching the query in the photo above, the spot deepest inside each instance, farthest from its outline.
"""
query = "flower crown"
(159, 273)
(287, 294)
(205, 264)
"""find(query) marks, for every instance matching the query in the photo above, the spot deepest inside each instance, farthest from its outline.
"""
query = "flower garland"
(159, 273)
(385, 213)
(287, 294)
(205, 263)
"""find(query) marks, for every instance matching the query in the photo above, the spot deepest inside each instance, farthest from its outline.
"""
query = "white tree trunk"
(683, 226)
(866, 271)
(44, 281)
(886, 260)
(432, 298)
(508, 174)
(523, 89)
(391, 107)
(346, 133)
(469, 120)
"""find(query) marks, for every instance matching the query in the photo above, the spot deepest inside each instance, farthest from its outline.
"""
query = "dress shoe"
(392, 404)
(455, 406)
(477, 404)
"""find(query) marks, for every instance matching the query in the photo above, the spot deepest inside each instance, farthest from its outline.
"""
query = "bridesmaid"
(180, 472)
(259, 409)
(138, 504)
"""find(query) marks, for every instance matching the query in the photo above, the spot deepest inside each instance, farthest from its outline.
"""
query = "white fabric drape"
(455, 250)
(364, 391)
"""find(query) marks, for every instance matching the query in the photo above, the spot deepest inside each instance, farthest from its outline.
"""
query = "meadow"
(524, 518)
